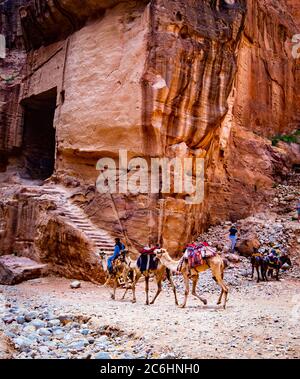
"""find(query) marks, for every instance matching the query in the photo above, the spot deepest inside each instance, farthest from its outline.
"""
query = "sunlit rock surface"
(202, 79)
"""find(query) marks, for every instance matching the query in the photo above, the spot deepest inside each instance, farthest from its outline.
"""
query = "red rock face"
(45, 22)
(10, 77)
(266, 82)
(202, 79)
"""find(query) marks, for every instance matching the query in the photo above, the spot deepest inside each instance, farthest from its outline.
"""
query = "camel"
(123, 270)
(159, 274)
(216, 264)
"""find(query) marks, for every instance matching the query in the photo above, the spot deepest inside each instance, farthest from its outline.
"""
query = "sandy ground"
(261, 320)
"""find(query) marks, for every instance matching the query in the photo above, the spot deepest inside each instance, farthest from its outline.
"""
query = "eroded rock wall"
(266, 83)
(32, 227)
(45, 22)
(263, 103)
(189, 78)
(11, 71)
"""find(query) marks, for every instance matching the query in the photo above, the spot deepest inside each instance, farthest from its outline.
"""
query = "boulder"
(75, 284)
(233, 258)
(14, 270)
(246, 246)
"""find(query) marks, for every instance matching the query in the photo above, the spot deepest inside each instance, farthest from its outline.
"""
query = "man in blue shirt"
(117, 251)
(233, 237)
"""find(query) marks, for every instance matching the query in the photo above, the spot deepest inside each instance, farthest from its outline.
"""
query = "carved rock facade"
(203, 79)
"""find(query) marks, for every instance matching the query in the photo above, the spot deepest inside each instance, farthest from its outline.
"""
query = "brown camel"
(159, 273)
(215, 263)
(122, 271)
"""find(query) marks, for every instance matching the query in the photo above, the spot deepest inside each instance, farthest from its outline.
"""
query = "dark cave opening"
(39, 135)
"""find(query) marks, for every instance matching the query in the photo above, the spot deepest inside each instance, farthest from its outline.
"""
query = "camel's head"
(160, 253)
(102, 255)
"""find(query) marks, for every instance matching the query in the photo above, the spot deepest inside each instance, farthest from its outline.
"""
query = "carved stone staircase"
(74, 215)
(99, 237)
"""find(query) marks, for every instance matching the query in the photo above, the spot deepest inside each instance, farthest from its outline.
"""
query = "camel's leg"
(225, 289)
(277, 274)
(107, 281)
(187, 289)
(147, 289)
(220, 297)
(169, 275)
(252, 276)
(113, 296)
(159, 287)
(125, 278)
(195, 279)
(219, 279)
(222, 291)
(125, 292)
(134, 283)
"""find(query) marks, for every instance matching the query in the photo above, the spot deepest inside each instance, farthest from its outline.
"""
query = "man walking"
(233, 237)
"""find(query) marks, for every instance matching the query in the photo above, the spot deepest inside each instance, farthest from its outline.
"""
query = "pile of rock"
(277, 227)
(285, 200)
(46, 333)
(263, 231)
(268, 231)
(217, 236)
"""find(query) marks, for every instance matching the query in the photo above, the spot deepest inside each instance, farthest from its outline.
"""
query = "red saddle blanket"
(196, 253)
(148, 250)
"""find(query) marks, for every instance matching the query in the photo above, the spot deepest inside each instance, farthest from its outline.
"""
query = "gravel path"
(46, 318)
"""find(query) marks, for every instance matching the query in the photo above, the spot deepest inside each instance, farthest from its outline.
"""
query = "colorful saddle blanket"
(196, 253)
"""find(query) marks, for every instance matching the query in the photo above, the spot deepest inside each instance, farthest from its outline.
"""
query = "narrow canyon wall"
(11, 72)
(263, 103)
(266, 83)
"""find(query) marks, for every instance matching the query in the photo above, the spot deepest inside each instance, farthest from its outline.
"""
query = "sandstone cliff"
(210, 79)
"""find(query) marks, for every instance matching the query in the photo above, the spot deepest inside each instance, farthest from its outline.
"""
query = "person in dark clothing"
(117, 251)
(233, 237)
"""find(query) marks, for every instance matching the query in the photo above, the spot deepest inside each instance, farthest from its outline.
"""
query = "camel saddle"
(147, 260)
(196, 253)
(148, 250)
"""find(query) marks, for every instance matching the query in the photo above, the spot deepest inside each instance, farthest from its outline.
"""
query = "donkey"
(267, 266)
(257, 263)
